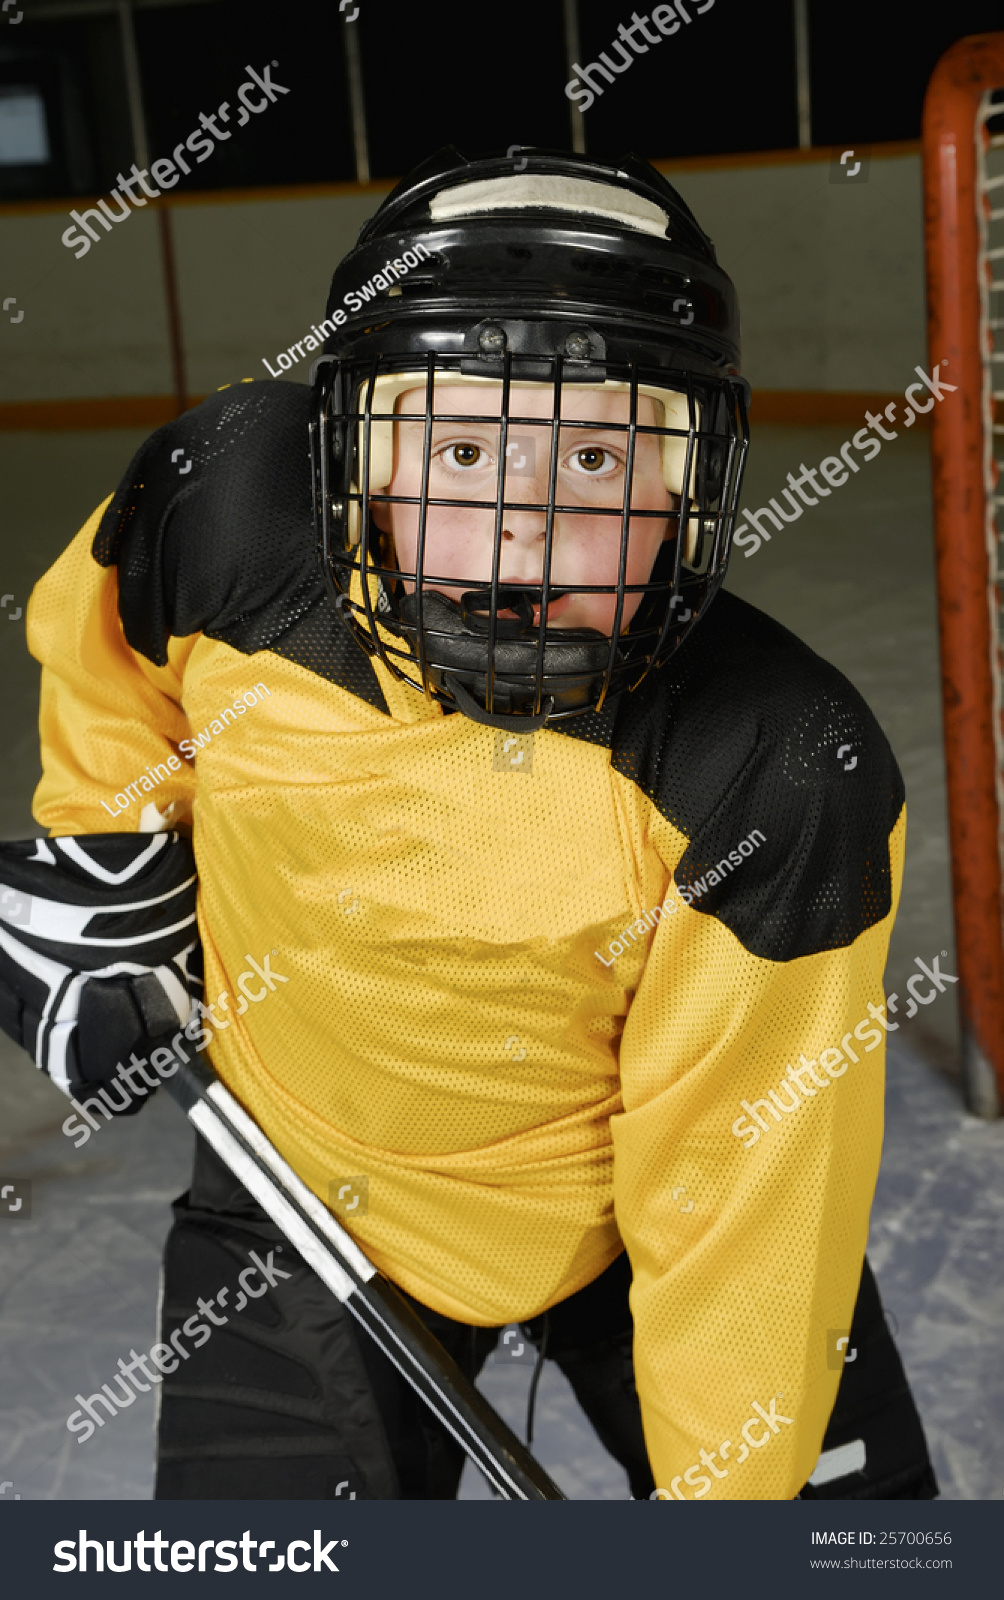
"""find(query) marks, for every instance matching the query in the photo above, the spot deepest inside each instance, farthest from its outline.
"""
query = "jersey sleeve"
(752, 1074)
(208, 535)
(108, 716)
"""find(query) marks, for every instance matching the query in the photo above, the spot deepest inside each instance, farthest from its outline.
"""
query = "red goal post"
(964, 224)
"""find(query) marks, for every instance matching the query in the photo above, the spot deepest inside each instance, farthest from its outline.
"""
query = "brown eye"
(591, 459)
(465, 455)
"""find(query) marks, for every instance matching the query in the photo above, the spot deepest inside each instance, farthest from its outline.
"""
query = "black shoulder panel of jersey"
(212, 532)
(747, 737)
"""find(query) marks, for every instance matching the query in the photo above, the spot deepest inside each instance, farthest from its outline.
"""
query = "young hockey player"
(575, 923)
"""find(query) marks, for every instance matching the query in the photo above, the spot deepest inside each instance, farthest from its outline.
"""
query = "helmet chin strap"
(476, 610)
(496, 719)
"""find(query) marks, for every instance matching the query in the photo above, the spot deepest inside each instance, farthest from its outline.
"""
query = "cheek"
(591, 554)
(458, 544)
(452, 548)
(592, 546)
(402, 523)
(647, 536)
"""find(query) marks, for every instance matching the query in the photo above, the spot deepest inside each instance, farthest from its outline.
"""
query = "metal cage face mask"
(523, 546)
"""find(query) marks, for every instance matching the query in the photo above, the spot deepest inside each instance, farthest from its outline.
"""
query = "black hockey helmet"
(532, 282)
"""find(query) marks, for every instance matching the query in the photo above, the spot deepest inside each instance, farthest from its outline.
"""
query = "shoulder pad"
(748, 737)
(211, 527)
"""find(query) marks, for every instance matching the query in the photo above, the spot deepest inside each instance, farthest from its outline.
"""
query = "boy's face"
(591, 470)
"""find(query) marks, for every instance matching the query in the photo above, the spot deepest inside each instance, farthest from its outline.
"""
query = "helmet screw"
(577, 346)
(492, 340)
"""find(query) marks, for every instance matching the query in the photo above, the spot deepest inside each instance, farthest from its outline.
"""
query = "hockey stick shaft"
(372, 1299)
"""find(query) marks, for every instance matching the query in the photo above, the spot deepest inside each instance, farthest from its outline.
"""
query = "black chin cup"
(455, 638)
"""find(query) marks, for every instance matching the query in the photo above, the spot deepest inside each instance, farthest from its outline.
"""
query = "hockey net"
(964, 207)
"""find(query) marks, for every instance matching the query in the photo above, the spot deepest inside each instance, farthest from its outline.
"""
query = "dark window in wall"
(872, 59)
(481, 78)
(194, 58)
(45, 148)
(724, 81)
(79, 68)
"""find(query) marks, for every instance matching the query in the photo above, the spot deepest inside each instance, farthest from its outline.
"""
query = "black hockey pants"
(285, 1400)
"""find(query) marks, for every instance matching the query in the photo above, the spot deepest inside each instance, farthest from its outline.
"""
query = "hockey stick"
(375, 1303)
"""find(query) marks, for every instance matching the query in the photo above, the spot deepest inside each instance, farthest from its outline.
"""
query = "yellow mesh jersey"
(528, 988)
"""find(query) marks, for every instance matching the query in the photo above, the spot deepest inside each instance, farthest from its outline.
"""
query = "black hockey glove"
(99, 951)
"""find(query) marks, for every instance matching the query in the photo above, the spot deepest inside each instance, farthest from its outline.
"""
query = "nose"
(524, 527)
(526, 482)
(522, 559)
